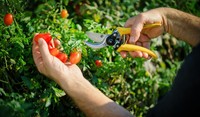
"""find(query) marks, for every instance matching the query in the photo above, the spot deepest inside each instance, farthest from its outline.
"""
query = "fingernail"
(132, 39)
(40, 40)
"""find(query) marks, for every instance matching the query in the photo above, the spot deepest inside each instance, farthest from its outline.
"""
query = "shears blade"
(99, 40)
(96, 45)
(97, 37)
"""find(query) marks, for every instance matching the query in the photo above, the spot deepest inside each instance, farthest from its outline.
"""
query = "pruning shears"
(118, 40)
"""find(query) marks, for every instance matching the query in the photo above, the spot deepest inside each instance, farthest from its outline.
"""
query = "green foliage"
(136, 84)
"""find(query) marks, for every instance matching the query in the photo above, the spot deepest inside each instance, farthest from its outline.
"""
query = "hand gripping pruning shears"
(118, 40)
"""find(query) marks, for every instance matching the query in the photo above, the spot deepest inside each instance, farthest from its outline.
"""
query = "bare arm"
(182, 25)
(88, 98)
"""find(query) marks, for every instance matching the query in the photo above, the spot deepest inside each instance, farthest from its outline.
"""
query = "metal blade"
(96, 45)
(97, 37)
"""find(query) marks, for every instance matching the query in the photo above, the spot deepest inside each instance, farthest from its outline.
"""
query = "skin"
(70, 78)
(88, 98)
(181, 25)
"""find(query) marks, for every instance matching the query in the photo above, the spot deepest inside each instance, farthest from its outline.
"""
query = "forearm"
(182, 25)
(90, 100)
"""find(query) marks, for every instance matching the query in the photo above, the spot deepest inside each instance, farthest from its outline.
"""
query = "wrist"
(69, 81)
(164, 12)
(181, 25)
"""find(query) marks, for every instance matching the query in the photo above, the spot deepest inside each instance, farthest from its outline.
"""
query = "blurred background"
(135, 84)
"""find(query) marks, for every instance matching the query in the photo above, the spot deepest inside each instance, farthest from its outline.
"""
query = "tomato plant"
(64, 13)
(46, 36)
(75, 57)
(8, 19)
(98, 63)
(62, 56)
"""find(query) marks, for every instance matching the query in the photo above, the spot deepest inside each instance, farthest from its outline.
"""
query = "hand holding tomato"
(54, 45)
(50, 66)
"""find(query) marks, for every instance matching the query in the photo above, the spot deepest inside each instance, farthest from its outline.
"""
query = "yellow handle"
(131, 47)
(123, 31)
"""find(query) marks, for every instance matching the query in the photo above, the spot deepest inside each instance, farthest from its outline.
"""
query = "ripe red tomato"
(54, 51)
(75, 57)
(98, 63)
(64, 13)
(8, 19)
(62, 56)
(46, 36)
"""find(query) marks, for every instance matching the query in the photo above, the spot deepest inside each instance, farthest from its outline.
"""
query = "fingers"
(123, 54)
(139, 54)
(136, 54)
(43, 47)
(35, 52)
(57, 43)
(136, 25)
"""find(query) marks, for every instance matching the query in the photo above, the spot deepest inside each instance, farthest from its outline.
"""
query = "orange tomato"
(75, 57)
(64, 13)
(54, 51)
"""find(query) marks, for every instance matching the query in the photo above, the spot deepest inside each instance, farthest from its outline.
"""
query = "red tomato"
(64, 13)
(8, 19)
(46, 36)
(62, 56)
(54, 51)
(75, 57)
(98, 63)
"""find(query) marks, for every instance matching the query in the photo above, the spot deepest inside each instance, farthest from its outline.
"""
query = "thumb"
(44, 50)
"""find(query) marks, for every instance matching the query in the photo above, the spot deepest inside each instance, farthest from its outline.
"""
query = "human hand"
(142, 37)
(51, 66)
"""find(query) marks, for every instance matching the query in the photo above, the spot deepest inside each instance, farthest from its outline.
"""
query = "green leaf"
(2, 92)
(59, 92)
(48, 102)
(27, 82)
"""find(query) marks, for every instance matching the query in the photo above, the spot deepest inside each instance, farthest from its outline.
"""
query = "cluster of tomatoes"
(54, 49)
(54, 44)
